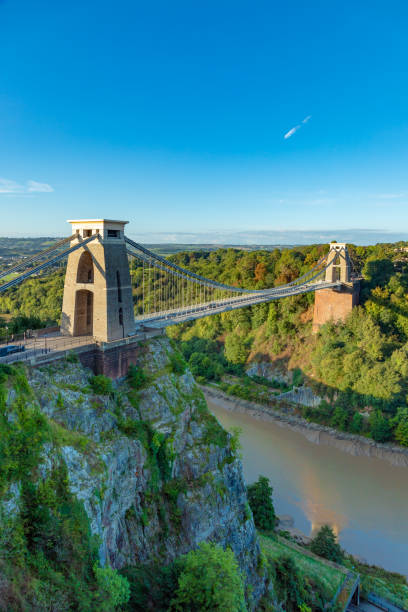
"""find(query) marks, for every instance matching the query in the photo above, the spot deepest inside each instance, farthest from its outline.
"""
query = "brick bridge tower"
(97, 292)
(336, 304)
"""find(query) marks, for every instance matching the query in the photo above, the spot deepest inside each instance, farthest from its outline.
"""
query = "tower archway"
(85, 272)
(83, 323)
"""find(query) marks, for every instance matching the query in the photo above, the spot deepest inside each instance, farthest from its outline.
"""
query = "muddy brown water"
(364, 499)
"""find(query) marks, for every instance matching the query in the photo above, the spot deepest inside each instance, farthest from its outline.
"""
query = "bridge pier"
(336, 304)
(114, 358)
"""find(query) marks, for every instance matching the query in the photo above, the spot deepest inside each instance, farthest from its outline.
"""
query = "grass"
(390, 585)
(308, 563)
(9, 277)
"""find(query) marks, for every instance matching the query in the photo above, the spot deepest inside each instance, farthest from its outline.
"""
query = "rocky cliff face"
(155, 472)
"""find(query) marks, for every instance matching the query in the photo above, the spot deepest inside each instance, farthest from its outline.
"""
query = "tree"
(401, 431)
(356, 424)
(378, 271)
(340, 418)
(260, 271)
(260, 501)
(379, 427)
(325, 545)
(114, 590)
(235, 349)
(209, 581)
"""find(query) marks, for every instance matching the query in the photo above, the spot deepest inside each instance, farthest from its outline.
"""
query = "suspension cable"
(45, 264)
(211, 283)
(30, 260)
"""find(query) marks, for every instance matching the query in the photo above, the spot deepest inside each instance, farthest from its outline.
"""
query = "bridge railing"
(36, 348)
(383, 604)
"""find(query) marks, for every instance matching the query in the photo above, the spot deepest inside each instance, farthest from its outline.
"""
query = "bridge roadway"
(190, 313)
(39, 348)
(47, 348)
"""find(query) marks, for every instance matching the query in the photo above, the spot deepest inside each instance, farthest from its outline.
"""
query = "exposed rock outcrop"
(156, 473)
(270, 371)
(303, 396)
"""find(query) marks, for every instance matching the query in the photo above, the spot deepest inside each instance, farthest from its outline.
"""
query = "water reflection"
(364, 500)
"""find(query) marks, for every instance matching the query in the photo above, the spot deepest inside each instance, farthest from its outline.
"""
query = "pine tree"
(260, 501)
(325, 545)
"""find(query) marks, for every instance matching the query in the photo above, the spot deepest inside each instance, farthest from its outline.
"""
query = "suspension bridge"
(102, 303)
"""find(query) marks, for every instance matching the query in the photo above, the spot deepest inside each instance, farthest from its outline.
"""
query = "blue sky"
(174, 114)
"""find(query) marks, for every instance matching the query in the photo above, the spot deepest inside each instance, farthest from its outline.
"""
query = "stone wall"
(114, 358)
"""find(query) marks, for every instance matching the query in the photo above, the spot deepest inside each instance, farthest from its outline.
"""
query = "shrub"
(152, 586)
(136, 377)
(297, 377)
(289, 584)
(260, 501)
(101, 385)
(177, 364)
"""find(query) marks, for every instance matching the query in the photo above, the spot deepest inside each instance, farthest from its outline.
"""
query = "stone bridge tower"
(336, 304)
(97, 293)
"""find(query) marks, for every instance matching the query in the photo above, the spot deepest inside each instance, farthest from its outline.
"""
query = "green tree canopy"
(325, 545)
(209, 581)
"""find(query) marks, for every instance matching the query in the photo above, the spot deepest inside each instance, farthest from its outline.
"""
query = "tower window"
(119, 286)
(87, 233)
(120, 316)
(113, 233)
(89, 300)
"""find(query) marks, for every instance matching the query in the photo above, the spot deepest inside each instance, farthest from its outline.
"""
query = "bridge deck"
(36, 351)
(190, 313)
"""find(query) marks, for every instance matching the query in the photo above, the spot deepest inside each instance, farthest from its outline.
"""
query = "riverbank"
(318, 434)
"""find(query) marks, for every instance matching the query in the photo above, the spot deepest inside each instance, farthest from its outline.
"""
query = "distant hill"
(18, 247)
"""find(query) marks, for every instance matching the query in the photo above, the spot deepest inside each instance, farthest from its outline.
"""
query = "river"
(364, 499)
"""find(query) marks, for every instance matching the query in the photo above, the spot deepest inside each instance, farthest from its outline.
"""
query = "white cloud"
(7, 186)
(297, 127)
(11, 187)
(291, 132)
(271, 237)
(42, 187)
(390, 196)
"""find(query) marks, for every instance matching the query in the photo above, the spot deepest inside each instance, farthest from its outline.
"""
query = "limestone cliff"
(154, 470)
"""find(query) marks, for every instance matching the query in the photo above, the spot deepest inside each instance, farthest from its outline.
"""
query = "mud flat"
(318, 434)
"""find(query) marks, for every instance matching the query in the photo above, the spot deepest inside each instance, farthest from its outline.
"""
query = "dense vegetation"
(48, 558)
(359, 367)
